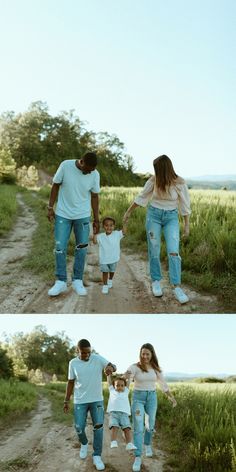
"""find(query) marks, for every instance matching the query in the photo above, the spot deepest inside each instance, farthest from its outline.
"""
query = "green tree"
(6, 365)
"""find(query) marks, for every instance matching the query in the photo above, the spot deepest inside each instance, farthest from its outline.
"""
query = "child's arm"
(95, 240)
(109, 380)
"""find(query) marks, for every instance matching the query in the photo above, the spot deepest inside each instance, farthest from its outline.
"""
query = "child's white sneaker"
(130, 447)
(148, 451)
(78, 287)
(97, 461)
(114, 444)
(58, 287)
(109, 283)
(83, 451)
(105, 289)
(137, 464)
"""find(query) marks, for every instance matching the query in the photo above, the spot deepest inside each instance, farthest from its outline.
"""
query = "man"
(85, 378)
(77, 184)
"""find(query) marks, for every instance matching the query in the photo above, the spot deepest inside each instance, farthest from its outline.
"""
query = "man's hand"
(109, 369)
(96, 227)
(66, 407)
(50, 215)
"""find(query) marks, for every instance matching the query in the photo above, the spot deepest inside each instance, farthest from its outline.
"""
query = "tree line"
(35, 137)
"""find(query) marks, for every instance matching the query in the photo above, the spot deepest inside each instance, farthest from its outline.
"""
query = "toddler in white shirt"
(119, 411)
(109, 250)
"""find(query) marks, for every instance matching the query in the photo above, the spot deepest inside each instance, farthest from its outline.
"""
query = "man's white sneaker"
(78, 286)
(58, 287)
(83, 451)
(97, 461)
(148, 451)
(114, 444)
(130, 447)
(180, 295)
(156, 289)
(105, 289)
(109, 283)
(137, 464)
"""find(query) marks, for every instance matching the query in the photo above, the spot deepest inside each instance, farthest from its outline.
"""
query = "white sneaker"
(109, 283)
(78, 286)
(180, 295)
(97, 461)
(156, 289)
(83, 451)
(130, 447)
(137, 464)
(58, 287)
(148, 451)
(105, 289)
(114, 444)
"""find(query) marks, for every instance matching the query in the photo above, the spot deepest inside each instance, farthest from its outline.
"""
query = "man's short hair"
(108, 218)
(90, 158)
(83, 343)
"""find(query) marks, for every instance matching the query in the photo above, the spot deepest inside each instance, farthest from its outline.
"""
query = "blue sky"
(184, 343)
(159, 74)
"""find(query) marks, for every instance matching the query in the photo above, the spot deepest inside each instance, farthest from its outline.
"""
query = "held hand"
(50, 215)
(108, 370)
(96, 226)
(66, 407)
(126, 217)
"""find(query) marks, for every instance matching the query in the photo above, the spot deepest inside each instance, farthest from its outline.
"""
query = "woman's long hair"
(154, 361)
(165, 175)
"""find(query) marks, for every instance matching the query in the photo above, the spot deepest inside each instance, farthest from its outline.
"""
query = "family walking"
(85, 382)
(76, 187)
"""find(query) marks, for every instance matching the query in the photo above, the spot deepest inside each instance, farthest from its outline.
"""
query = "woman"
(166, 191)
(146, 374)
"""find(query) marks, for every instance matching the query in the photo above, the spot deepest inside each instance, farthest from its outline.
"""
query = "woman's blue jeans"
(168, 221)
(96, 410)
(62, 230)
(144, 409)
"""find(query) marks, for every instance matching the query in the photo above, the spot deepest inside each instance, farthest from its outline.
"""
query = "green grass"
(16, 398)
(8, 207)
(208, 256)
(55, 392)
(200, 433)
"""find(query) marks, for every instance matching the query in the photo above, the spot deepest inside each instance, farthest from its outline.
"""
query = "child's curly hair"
(110, 218)
(119, 377)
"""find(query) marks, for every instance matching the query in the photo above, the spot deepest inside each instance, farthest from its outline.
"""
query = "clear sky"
(159, 74)
(189, 344)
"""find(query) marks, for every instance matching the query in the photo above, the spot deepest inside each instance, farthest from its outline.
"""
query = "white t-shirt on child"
(109, 247)
(118, 401)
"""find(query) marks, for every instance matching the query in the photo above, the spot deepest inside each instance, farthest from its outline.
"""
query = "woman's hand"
(173, 401)
(126, 217)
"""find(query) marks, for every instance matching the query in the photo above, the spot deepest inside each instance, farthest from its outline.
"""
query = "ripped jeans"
(96, 410)
(62, 230)
(167, 220)
(144, 409)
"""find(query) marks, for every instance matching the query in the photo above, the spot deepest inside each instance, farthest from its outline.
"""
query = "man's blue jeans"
(96, 410)
(144, 409)
(167, 220)
(63, 228)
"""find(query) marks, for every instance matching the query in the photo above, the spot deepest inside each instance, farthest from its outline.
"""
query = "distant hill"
(211, 184)
(183, 377)
(214, 178)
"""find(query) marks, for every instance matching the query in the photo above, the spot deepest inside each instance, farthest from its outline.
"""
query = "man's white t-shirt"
(109, 247)
(118, 401)
(74, 198)
(88, 378)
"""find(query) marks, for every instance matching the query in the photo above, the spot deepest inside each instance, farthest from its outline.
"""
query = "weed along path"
(23, 292)
(39, 445)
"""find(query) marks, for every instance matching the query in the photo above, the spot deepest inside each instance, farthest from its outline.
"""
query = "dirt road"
(23, 292)
(41, 445)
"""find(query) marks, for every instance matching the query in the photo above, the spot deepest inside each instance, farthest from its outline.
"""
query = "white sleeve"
(184, 200)
(145, 195)
(96, 184)
(58, 177)
(161, 381)
(71, 374)
(132, 369)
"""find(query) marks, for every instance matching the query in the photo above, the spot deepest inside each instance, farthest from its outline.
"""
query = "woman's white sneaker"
(148, 451)
(97, 461)
(156, 289)
(83, 451)
(130, 447)
(180, 295)
(78, 287)
(137, 464)
(58, 287)
(109, 283)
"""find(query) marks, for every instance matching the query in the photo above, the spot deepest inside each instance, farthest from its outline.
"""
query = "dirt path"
(22, 292)
(41, 445)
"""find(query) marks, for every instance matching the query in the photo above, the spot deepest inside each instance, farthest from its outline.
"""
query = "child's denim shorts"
(118, 419)
(108, 267)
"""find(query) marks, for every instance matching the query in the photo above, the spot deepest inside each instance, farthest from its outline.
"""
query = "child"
(119, 411)
(109, 250)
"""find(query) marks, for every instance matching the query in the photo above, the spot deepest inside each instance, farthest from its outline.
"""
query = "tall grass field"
(8, 207)
(16, 398)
